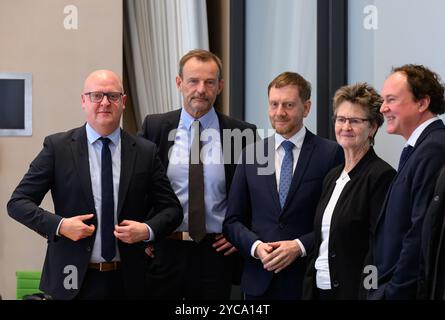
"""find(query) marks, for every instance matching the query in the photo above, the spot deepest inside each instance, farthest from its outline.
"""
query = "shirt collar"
(297, 139)
(92, 135)
(205, 121)
(416, 133)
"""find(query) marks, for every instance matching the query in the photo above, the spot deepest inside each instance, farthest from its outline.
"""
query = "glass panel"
(280, 36)
(384, 34)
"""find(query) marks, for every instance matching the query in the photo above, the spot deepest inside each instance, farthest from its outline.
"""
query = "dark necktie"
(197, 225)
(286, 171)
(405, 155)
(107, 217)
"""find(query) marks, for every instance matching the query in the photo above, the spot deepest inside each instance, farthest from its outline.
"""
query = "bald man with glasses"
(104, 183)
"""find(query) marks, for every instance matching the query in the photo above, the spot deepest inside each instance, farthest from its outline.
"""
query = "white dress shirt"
(323, 278)
(215, 198)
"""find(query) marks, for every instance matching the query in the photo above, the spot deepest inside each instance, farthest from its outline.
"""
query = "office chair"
(27, 283)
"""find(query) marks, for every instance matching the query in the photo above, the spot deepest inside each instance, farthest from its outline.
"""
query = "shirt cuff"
(58, 227)
(303, 250)
(254, 245)
(151, 234)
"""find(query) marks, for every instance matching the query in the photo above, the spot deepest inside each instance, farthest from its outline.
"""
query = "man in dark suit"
(413, 96)
(432, 275)
(104, 183)
(272, 203)
(196, 261)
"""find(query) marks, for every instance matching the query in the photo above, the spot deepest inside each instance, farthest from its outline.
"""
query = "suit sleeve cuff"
(252, 250)
(58, 227)
(303, 250)
(151, 234)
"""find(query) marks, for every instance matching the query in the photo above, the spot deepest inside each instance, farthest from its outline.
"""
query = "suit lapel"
(171, 124)
(303, 161)
(82, 164)
(384, 204)
(128, 157)
(228, 167)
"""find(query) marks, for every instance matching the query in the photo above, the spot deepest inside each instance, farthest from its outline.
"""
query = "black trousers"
(325, 294)
(282, 287)
(187, 270)
(99, 285)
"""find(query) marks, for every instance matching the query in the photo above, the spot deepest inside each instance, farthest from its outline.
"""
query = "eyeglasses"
(353, 122)
(96, 96)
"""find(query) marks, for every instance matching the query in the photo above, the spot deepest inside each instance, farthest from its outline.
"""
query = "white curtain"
(157, 34)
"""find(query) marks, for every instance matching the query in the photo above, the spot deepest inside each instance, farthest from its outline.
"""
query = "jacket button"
(335, 284)
(333, 254)
(88, 248)
(281, 226)
(436, 198)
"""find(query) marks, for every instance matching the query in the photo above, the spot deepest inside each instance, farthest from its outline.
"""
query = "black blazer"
(254, 211)
(353, 220)
(156, 128)
(432, 275)
(399, 226)
(63, 167)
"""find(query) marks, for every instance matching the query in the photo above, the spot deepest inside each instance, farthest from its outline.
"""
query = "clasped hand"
(275, 256)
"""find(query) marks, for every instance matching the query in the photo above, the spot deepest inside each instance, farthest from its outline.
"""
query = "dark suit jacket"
(399, 227)
(157, 127)
(254, 211)
(353, 220)
(432, 275)
(63, 167)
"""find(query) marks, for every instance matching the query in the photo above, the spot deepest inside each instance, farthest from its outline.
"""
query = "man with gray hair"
(196, 261)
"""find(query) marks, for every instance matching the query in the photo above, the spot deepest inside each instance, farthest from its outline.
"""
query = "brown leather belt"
(105, 266)
(184, 236)
(180, 236)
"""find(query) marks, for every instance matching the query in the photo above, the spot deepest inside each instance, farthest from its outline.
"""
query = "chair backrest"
(27, 283)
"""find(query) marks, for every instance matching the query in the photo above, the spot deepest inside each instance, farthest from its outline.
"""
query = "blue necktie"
(286, 171)
(405, 155)
(107, 217)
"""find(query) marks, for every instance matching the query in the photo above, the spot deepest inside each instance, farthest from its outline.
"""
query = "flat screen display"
(15, 104)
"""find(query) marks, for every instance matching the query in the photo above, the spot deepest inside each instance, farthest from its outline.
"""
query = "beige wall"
(33, 39)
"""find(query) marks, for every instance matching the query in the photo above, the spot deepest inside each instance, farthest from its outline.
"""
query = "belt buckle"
(108, 266)
(186, 236)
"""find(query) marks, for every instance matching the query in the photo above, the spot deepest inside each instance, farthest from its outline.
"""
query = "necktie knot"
(287, 145)
(195, 148)
(105, 141)
(196, 126)
(405, 155)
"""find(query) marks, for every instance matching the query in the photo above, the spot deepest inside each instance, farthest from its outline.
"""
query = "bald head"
(103, 101)
(101, 76)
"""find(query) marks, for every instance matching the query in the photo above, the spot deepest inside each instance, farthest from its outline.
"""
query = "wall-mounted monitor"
(15, 104)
